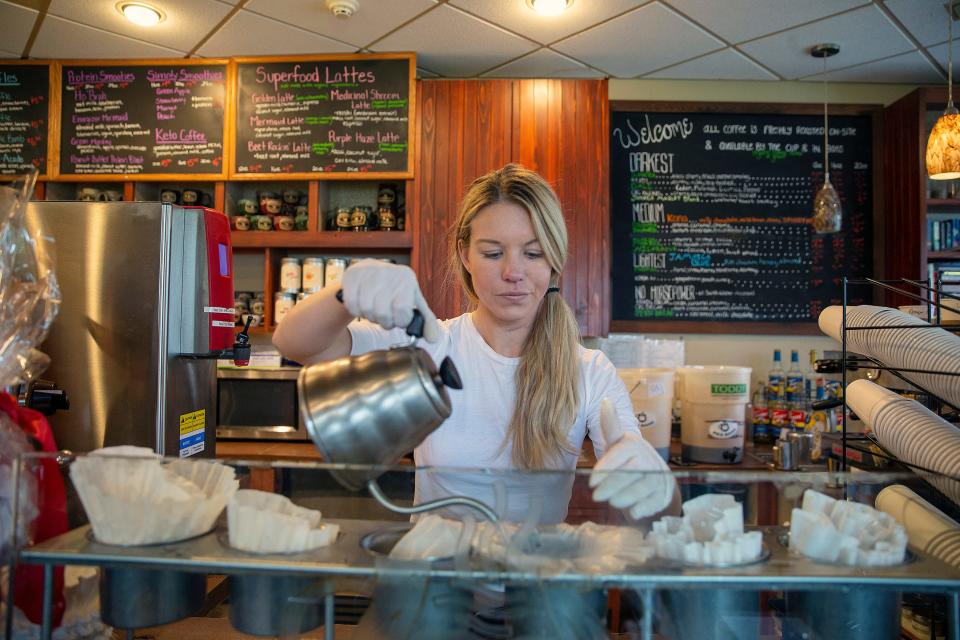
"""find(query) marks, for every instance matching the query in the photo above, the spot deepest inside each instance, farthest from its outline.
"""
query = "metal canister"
(262, 223)
(342, 221)
(360, 218)
(388, 218)
(284, 222)
(290, 274)
(313, 273)
(283, 301)
(333, 270)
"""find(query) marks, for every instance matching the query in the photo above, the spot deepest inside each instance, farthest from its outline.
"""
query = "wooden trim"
(45, 174)
(231, 163)
(314, 213)
(141, 177)
(786, 108)
(347, 240)
(691, 326)
(220, 196)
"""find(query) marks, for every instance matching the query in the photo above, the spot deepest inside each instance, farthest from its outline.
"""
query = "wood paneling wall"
(559, 128)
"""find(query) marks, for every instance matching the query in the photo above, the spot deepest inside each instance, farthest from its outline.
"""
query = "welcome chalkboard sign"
(143, 119)
(711, 217)
(24, 118)
(324, 116)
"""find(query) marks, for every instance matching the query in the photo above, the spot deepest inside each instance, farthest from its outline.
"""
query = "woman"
(531, 392)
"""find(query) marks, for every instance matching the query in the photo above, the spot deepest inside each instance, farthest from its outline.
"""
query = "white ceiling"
(901, 41)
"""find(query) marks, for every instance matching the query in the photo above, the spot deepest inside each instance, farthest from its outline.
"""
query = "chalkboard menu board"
(137, 119)
(324, 115)
(24, 118)
(711, 215)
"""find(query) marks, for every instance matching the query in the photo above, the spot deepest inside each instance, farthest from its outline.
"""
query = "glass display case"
(716, 563)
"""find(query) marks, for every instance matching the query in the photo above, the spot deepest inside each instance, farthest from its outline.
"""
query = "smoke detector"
(343, 8)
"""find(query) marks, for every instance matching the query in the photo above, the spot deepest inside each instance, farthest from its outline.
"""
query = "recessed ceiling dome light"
(549, 7)
(140, 13)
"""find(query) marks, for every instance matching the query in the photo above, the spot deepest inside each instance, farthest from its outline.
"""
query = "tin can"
(313, 273)
(291, 196)
(342, 220)
(360, 218)
(240, 223)
(261, 223)
(247, 206)
(290, 274)
(258, 306)
(284, 222)
(283, 301)
(270, 202)
(388, 218)
(333, 270)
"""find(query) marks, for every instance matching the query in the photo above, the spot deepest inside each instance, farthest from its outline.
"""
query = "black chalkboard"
(131, 119)
(711, 215)
(333, 116)
(24, 118)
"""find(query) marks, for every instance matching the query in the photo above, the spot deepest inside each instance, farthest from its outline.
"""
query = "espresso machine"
(147, 307)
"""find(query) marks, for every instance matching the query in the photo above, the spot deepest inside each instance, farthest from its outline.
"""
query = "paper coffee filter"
(137, 501)
(262, 522)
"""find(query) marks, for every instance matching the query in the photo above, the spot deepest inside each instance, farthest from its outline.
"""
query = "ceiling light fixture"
(549, 7)
(827, 214)
(140, 13)
(943, 145)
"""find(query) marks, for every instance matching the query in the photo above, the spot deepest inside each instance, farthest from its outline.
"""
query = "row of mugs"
(189, 197)
(92, 194)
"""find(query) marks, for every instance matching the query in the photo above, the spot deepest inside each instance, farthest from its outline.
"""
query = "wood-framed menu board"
(325, 117)
(25, 115)
(162, 119)
(711, 215)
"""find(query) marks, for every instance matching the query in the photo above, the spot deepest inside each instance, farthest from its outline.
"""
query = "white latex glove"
(386, 294)
(639, 495)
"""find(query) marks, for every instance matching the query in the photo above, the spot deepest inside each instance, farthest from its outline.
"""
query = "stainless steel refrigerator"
(147, 306)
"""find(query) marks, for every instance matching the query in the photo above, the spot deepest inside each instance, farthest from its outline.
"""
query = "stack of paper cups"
(651, 392)
(928, 528)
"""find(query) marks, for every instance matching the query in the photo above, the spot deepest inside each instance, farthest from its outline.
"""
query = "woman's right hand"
(387, 294)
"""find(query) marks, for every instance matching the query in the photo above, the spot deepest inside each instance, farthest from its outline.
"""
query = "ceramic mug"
(291, 196)
(241, 223)
(262, 223)
(111, 195)
(284, 222)
(88, 194)
(170, 196)
(247, 206)
(190, 196)
(258, 306)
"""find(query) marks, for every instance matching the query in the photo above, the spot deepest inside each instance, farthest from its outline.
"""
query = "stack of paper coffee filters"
(911, 432)
(845, 532)
(262, 522)
(709, 533)
(133, 498)
(271, 605)
(925, 348)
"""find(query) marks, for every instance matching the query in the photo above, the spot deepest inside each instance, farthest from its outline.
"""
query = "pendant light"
(943, 146)
(827, 214)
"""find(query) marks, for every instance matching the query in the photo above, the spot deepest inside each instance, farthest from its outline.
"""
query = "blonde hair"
(547, 379)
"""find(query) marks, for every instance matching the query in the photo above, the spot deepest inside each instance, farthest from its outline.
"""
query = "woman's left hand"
(615, 478)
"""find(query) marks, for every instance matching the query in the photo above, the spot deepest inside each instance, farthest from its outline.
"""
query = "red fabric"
(51, 520)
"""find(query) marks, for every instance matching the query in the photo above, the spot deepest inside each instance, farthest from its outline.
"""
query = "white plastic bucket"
(712, 418)
(651, 392)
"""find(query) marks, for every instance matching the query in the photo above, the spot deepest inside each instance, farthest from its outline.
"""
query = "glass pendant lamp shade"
(943, 146)
(827, 212)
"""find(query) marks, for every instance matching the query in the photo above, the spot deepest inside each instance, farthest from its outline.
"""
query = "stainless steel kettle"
(373, 408)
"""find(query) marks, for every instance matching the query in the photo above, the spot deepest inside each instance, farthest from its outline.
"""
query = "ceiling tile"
(426, 73)
(435, 37)
(910, 68)
(864, 35)
(59, 38)
(250, 34)
(373, 19)
(8, 54)
(17, 24)
(544, 63)
(651, 37)
(728, 64)
(516, 16)
(925, 19)
(727, 19)
(186, 22)
(940, 54)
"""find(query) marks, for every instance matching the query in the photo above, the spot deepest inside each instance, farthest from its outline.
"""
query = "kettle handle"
(414, 329)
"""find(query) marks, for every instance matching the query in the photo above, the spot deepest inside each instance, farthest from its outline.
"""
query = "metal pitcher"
(373, 408)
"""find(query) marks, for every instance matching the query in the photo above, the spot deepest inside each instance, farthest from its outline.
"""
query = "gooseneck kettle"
(373, 408)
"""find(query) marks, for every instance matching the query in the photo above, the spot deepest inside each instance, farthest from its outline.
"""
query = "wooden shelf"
(950, 254)
(943, 202)
(322, 240)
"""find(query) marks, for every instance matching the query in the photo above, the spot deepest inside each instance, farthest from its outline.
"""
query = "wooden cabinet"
(912, 201)
(466, 128)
